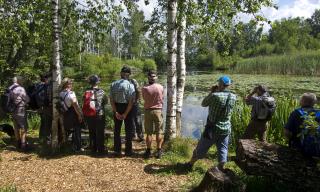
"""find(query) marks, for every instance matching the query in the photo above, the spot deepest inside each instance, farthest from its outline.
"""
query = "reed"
(302, 63)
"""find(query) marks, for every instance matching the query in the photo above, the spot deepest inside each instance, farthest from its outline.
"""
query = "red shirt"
(152, 96)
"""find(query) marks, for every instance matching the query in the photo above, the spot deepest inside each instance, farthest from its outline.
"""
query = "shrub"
(149, 64)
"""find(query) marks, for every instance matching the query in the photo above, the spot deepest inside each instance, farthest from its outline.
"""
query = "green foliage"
(302, 63)
(9, 188)
(149, 64)
(181, 147)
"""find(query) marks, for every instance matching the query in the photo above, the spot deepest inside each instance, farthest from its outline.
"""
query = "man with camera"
(263, 107)
(221, 102)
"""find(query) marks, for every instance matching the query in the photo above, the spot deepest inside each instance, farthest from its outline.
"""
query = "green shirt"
(219, 112)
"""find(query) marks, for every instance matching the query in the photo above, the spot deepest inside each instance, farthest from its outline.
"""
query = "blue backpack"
(310, 132)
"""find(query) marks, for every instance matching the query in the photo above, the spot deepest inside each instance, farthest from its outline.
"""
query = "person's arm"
(288, 128)
(128, 109)
(249, 98)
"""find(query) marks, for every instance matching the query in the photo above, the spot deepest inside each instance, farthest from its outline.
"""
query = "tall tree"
(171, 69)
(56, 71)
(181, 60)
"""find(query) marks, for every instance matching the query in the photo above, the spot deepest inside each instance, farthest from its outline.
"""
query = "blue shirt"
(122, 91)
(294, 127)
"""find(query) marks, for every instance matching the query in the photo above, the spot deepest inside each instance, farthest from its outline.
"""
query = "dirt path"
(29, 172)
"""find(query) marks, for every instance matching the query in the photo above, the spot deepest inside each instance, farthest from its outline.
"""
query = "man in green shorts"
(152, 94)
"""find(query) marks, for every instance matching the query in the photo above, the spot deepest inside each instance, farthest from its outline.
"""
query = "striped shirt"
(122, 91)
(219, 110)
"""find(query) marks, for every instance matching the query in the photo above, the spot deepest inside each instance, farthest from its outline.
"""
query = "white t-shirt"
(69, 97)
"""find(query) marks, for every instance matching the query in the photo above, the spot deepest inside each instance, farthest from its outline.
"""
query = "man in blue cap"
(218, 127)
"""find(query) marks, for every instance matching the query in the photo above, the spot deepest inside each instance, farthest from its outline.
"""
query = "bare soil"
(82, 172)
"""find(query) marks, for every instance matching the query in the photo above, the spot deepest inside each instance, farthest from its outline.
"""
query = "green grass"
(302, 63)
(9, 188)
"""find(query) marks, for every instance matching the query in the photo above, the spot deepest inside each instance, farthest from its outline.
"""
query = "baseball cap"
(126, 69)
(225, 80)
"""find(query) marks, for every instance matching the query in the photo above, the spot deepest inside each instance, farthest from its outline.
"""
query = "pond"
(197, 86)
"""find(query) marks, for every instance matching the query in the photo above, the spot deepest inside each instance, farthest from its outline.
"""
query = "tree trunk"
(56, 73)
(181, 67)
(171, 70)
(216, 181)
(279, 162)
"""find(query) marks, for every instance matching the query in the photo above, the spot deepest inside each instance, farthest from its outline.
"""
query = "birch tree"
(171, 69)
(56, 71)
(181, 61)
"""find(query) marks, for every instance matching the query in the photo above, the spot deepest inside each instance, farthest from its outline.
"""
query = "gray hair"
(309, 99)
(17, 79)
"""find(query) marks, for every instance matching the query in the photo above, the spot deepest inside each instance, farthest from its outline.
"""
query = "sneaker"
(159, 154)
(128, 154)
(147, 154)
(185, 166)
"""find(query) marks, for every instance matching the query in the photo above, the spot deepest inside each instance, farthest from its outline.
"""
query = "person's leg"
(100, 125)
(128, 129)
(116, 133)
(42, 136)
(92, 133)
(16, 131)
(251, 131)
(134, 119)
(262, 130)
(77, 137)
(222, 142)
(149, 131)
(23, 131)
(158, 123)
(138, 125)
(202, 149)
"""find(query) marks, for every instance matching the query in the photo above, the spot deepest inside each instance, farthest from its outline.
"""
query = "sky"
(287, 8)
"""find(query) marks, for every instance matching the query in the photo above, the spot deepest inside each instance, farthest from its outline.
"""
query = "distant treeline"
(289, 44)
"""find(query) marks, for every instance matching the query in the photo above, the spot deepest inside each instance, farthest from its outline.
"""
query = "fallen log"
(218, 181)
(279, 162)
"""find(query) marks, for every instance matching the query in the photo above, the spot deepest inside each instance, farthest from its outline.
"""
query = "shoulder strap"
(64, 98)
(15, 86)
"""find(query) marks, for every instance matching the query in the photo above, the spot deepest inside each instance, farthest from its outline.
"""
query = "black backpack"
(38, 96)
(7, 102)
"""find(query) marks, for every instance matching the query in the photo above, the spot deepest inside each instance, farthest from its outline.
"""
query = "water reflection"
(193, 117)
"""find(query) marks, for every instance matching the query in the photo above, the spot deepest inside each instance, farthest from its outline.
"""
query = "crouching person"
(218, 128)
(19, 115)
(302, 128)
(72, 116)
(94, 101)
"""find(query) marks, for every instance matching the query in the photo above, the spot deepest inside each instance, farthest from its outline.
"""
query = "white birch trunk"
(56, 72)
(181, 69)
(170, 130)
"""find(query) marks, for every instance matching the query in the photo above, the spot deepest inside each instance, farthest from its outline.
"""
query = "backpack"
(92, 102)
(267, 109)
(310, 132)
(7, 102)
(61, 104)
(38, 96)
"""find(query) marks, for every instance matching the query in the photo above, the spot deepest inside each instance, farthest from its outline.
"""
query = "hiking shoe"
(147, 154)
(159, 154)
(185, 166)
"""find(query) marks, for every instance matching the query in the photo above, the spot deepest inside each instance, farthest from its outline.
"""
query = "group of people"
(221, 102)
(125, 96)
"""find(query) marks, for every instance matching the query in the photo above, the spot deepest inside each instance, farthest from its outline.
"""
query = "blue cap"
(225, 80)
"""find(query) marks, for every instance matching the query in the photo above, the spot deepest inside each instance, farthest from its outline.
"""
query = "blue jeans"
(204, 144)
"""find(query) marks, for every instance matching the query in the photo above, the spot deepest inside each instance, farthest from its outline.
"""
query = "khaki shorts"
(20, 122)
(153, 121)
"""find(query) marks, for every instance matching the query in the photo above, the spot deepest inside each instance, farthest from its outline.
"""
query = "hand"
(124, 116)
(118, 116)
(214, 88)
(80, 119)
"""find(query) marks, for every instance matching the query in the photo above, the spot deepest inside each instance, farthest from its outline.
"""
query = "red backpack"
(89, 103)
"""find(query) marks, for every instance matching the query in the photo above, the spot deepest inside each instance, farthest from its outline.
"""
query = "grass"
(302, 63)
(9, 188)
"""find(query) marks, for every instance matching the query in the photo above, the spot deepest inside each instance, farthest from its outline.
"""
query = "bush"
(149, 64)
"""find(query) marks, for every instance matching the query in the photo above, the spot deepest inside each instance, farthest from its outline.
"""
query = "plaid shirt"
(219, 113)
